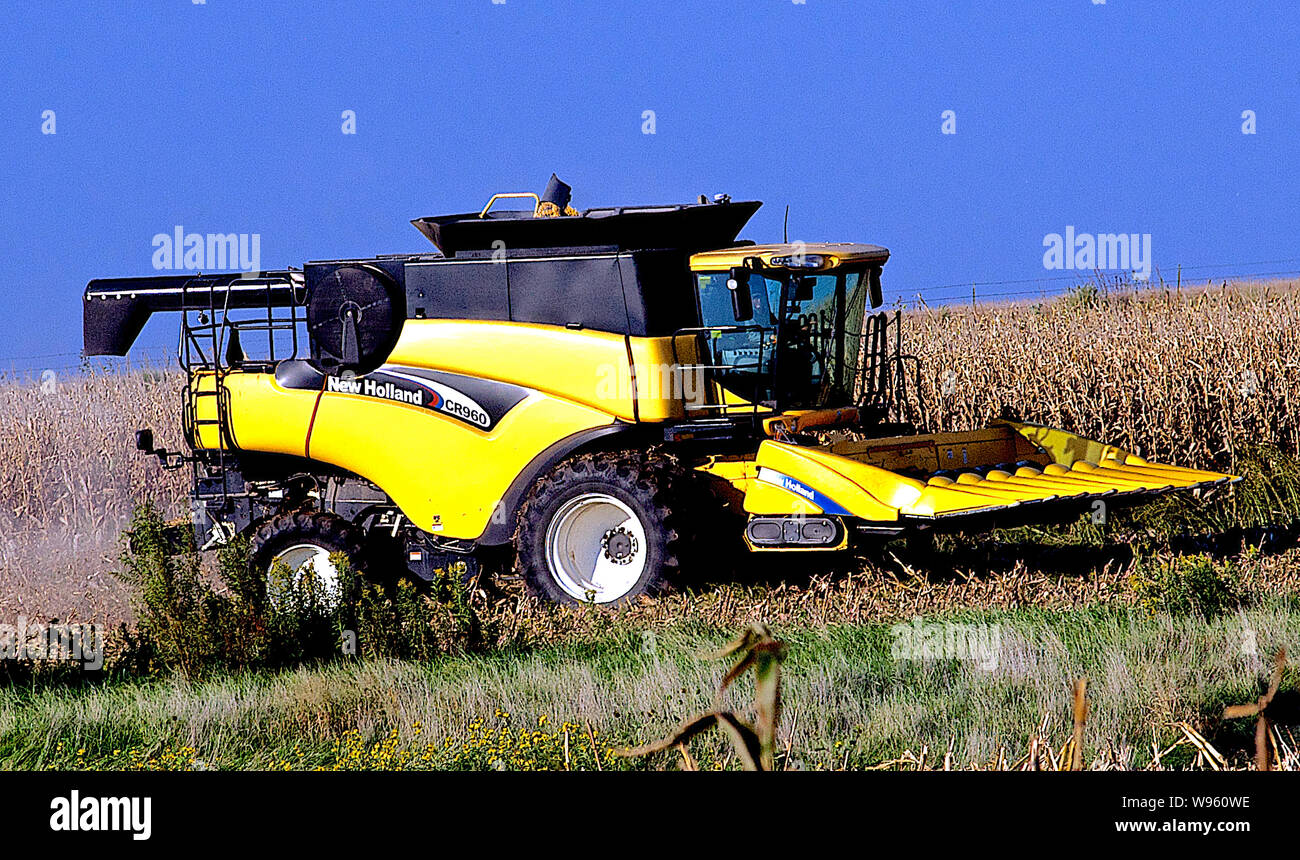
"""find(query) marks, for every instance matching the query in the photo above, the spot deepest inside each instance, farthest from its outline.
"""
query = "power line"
(143, 351)
(1079, 280)
(1084, 274)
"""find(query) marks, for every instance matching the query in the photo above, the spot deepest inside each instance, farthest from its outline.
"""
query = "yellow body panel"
(201, 409)
(446, 476)
(1066, 448)
(257, 395)
(590, 368)
(664, 388)
(263, 416)
(853, 486)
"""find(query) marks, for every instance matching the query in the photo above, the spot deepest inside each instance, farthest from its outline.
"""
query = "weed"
(283, 619)
(1184, 584)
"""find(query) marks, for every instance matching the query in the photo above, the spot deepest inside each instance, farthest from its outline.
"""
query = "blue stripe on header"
(785, 482)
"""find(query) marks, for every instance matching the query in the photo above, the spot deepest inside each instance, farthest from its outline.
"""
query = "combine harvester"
(579, 385)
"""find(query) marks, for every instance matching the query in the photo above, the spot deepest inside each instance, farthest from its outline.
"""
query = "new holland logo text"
(415, 391)
(375, 388)
(772, 476)
(785, 482)
(794, 486)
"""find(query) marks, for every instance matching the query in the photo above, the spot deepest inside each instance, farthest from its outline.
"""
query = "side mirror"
(742, 304)
(877, 295)
(169, 459)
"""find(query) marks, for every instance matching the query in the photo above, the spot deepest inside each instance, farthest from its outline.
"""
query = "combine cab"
(577, 385)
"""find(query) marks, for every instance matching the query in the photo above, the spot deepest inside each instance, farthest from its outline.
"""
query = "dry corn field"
(1183, 376)
(70, 479)
(1188, 376)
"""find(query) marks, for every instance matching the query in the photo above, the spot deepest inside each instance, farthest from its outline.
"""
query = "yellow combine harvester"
(598, 389)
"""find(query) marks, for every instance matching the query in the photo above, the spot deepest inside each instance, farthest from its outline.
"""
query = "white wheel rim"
(302, 557)
(596, 548)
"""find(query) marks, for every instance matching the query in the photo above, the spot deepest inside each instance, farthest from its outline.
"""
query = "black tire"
(330, 532)
(643, 483)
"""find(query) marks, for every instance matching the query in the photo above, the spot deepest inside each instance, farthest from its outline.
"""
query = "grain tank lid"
(689, 227)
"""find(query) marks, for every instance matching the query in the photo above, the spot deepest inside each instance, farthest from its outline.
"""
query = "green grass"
(847, 699)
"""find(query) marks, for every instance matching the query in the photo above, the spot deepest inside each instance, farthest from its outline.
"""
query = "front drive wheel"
(598, 529)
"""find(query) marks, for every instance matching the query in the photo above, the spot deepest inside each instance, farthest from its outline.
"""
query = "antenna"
(785, 233)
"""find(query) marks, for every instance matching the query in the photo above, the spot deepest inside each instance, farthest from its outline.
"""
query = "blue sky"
(226, 116)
